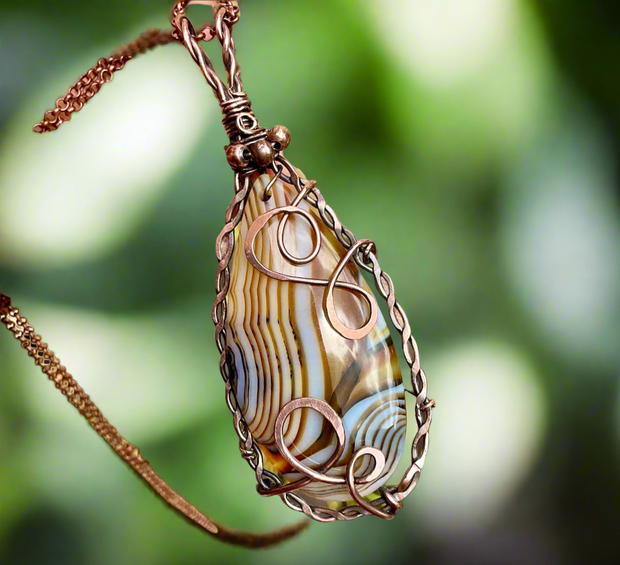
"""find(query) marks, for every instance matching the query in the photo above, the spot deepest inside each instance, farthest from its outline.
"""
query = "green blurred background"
(476, 141)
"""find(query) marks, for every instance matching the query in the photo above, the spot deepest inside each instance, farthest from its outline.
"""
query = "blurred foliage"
(476, 142)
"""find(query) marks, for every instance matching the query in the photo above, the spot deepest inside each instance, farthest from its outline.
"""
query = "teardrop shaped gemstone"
(284, 347)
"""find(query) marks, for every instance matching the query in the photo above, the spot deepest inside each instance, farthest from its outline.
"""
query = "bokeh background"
(476, 141)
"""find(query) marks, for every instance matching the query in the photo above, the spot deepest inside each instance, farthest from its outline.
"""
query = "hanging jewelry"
(311, 371)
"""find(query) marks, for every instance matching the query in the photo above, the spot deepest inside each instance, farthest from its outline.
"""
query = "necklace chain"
(50, 365)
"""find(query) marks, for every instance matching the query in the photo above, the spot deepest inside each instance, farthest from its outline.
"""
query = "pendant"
(310, 366)
(311, 371)
(312, 374)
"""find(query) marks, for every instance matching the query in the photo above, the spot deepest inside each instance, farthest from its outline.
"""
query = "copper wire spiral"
(320, 475)
(332, 283)
(239, 120)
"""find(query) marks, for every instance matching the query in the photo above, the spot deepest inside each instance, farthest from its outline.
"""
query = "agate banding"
(286, 347)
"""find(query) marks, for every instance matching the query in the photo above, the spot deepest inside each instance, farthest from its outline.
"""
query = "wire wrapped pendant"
(312, 375)
(311, 370)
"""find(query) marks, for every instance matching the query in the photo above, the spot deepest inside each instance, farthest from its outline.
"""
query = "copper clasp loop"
(229, 10)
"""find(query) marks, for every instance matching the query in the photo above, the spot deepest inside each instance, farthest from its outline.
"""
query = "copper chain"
(80, 93)
(102, 72)
(129, 453)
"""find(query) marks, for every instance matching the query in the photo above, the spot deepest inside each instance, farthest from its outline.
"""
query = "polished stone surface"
(285, 348)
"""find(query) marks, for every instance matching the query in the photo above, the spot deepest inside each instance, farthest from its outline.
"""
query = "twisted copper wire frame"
(390, 502)
(241, 124)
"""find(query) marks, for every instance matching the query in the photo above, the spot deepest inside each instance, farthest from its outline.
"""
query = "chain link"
(80, 93)
(103, 71)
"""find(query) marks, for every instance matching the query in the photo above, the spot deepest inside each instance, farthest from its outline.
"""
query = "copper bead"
(263, 152)
(238, 156)
(280, 137)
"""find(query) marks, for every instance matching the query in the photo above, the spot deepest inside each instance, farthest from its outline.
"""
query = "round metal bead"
(263, 152)
(280, 137)
(238, 156)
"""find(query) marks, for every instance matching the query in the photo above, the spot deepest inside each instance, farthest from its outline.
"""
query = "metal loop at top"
(229, 93)
(231, 13)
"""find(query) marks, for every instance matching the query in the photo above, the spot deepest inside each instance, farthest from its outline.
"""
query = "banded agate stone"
(284, 348)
